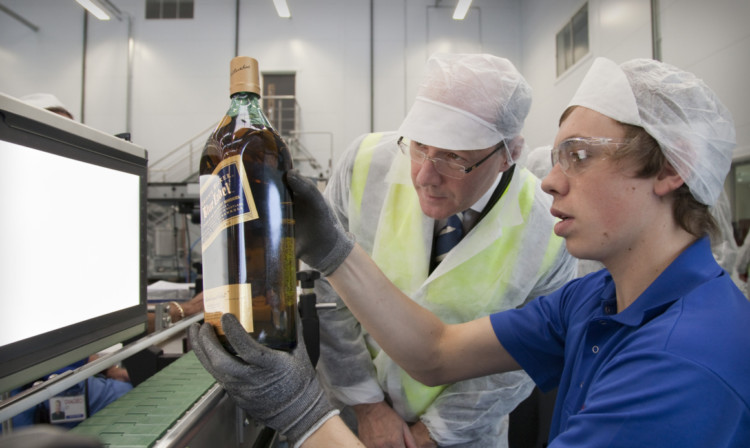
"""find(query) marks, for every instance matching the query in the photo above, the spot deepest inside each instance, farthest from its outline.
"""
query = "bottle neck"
(245, 95)
(246, 99)
(248, 103)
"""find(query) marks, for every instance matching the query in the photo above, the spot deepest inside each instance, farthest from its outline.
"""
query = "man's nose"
(428, 172)
(555, 181)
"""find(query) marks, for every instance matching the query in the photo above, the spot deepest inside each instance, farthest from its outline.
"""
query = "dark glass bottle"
(247, 224)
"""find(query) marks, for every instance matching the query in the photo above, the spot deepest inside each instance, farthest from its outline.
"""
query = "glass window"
(279, 104)
(580, 26)
(573, 40)
(186, 10)
(169, 9)
(153, 9)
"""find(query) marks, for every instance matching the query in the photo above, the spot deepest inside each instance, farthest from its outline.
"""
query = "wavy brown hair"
(644, 152)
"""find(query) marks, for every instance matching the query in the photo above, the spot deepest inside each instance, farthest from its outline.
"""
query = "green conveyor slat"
(141, 417)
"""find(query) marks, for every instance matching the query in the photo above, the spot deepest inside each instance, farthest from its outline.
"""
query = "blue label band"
(225, 199)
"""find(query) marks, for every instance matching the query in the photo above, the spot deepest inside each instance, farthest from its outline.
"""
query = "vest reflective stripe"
(485, 276)
(362, 168)
(495, 260)
(418, 396)
(400, 232)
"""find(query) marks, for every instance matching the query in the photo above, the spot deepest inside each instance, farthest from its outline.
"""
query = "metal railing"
(300, 153)
(48, 389)
(182, 163)
(179, 164)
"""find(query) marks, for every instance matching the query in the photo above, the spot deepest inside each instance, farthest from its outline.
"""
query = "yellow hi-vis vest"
(493, 268)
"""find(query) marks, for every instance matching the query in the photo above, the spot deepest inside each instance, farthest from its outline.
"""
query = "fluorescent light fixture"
(282, 9)
(94, 9)
(461, 9)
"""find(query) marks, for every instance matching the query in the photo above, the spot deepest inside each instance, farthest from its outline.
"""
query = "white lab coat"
(468, 413)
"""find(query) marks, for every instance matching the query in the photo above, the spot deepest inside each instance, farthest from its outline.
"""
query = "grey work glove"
(319, 238)
(276, 388)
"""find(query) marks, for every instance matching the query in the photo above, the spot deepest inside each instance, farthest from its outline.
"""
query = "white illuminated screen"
(69, 241)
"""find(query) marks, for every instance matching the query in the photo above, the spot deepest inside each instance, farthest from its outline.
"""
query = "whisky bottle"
(247, 224)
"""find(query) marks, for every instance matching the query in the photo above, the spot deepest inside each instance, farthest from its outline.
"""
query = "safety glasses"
(443, 166)
(576, 154)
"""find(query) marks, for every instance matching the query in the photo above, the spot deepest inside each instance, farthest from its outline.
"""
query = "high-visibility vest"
(495, 267)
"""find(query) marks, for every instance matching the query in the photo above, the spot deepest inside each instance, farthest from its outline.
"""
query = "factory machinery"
(181, 405)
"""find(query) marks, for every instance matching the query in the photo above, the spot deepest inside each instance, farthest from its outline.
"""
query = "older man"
(446, 178)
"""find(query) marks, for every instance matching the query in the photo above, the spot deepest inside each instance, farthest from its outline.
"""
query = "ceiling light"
(101, 9)
(461, 9)
(96, 10)
(282, 9)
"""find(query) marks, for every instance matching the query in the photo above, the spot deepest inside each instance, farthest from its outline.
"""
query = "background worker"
(743, 264)
(177, 311)
(452, 156)
(645, 353)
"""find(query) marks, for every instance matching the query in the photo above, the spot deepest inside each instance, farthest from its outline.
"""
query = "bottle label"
(234, 299)
(225, 199)
(289, 261)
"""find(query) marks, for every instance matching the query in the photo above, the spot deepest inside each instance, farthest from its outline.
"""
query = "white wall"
(407, 32)
(180, 67)
(180, 79)
(711, 39)
(48, 60)
(618, 29)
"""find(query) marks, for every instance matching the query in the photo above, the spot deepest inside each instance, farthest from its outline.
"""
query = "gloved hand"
(319, 238)
(276, 388)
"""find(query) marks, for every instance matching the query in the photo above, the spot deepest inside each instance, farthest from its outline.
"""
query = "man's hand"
(379, 426)
(422, 435)
(319, 238)
(276, 388)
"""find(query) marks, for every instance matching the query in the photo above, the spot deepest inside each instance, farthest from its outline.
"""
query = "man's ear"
(515, 147)
(667, 180)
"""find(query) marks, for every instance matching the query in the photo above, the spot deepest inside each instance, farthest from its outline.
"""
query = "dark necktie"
(447, 238)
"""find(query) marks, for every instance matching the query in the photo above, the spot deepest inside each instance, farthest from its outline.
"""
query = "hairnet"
(539, 162)
(723, 245)
(468, 101)
(44, 101)
(693, 128)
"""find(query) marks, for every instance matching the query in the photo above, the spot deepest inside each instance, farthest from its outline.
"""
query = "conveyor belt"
(143, 415)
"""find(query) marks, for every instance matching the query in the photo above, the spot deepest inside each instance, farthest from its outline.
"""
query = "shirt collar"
(477, 208)
(689, 270)
(482, 202)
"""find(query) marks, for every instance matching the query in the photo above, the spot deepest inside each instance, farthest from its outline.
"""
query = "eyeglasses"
(443, 166)
(575, 154)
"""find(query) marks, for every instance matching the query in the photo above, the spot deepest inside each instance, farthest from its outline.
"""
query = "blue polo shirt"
(671, 370)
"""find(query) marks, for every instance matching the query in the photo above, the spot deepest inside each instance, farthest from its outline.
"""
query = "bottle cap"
(243, 75)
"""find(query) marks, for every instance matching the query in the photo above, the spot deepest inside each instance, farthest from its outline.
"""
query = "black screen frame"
(24, 361)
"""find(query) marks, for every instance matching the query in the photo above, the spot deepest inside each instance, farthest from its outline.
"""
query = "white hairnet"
(539, 162)
(693, 128)
(44, 101)
(468, 101)
(724, 246)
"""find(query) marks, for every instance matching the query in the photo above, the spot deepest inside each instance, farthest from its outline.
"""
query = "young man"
(651, 351)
